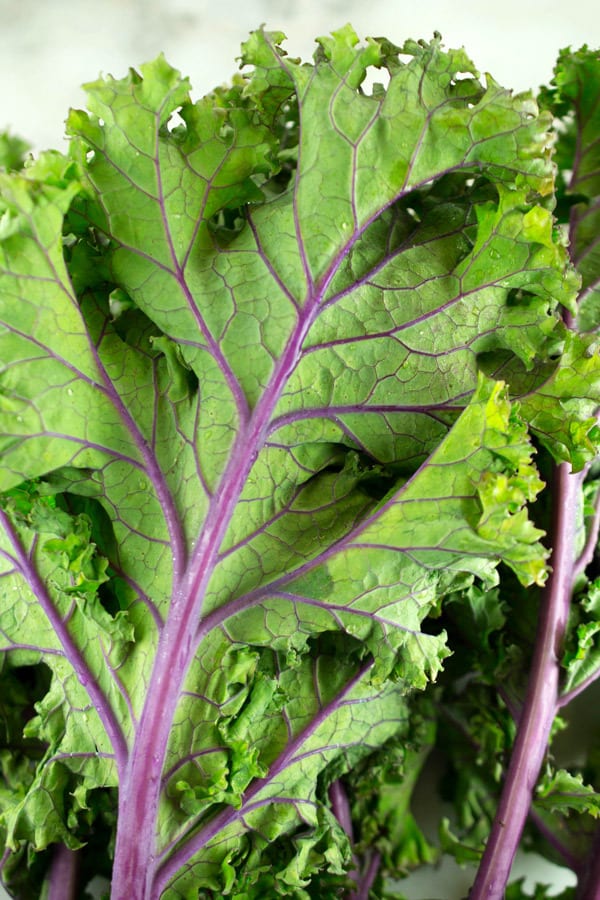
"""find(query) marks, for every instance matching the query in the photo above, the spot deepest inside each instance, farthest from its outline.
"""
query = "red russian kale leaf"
(272, 363)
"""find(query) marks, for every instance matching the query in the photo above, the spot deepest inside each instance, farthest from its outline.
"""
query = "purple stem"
(62, 880)
(341, 807)
(341, 810)
(366, 881)
(541, 701)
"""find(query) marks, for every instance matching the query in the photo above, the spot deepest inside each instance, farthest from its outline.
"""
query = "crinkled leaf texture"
(255, 425)
(573, 98)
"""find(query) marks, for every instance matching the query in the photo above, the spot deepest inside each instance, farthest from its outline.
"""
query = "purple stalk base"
(63, 878)
(541, 701)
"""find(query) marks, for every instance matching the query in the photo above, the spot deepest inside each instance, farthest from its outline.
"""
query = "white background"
(49, 47)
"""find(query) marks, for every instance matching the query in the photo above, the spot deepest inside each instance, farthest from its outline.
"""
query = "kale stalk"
(542, 698)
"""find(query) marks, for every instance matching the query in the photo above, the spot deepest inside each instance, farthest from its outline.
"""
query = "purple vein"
(418, 320)
(268, 264)
(118, 683)
(176, 272)
(52, 354)
(349, 541)
(227, 817)
(190, 758)
(71, 439)
(285, 510)
(215, 350)
(353, 409)
(57, 757)
(297, 178)
(155, 473)
(201, 214)
(86, 677)
(253, 598)
(152, 467)
(250, 440)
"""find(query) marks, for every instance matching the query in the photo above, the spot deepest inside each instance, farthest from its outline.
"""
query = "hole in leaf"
(21, 687)
(176, 124)
(376, 83)
(519, 297)
(227, 223)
